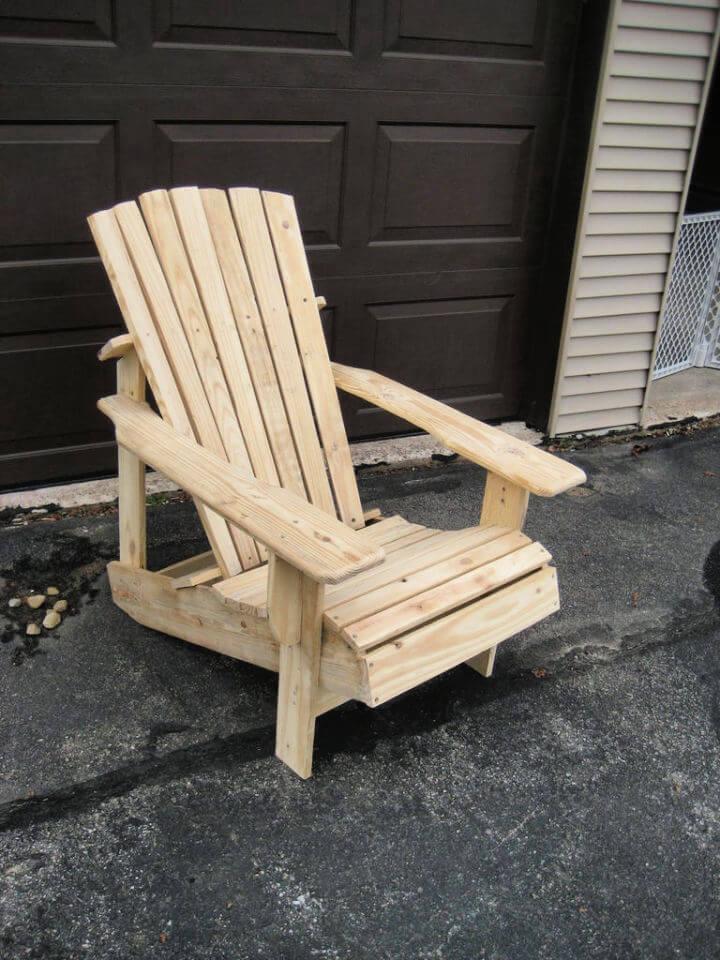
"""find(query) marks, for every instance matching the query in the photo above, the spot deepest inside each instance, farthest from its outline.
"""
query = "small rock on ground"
(52, 619)
(36, 600)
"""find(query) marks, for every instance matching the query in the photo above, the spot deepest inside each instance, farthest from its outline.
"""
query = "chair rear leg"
(131, 473)
(296, 608)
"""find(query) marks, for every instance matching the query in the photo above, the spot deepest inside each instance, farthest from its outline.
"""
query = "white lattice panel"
(689, 333)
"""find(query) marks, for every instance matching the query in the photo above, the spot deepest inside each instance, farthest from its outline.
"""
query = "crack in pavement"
(239, 748)
(578, 654)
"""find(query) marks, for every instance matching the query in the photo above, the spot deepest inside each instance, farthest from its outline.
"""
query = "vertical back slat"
(190, 215)
(175, 344)
(252, 335)
(126, 286)
(249, 214)
(287, 240)
(160, 219)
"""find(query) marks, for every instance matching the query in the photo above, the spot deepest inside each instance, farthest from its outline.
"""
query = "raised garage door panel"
(420, 141)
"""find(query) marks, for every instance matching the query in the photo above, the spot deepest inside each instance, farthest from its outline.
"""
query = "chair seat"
(427, 575)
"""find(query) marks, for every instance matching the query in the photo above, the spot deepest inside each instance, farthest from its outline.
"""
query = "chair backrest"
(216, 293)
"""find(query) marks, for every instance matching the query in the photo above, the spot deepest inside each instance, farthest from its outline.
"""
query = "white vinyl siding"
(651, 95)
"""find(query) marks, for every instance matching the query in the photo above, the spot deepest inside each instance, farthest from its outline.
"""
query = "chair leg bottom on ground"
(484, 662)
(295, 731)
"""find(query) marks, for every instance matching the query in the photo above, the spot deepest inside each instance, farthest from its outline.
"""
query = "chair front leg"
(505, 505)
(295, 604)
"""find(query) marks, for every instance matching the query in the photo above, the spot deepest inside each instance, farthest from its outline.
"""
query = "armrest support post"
(295, 606)
(504, 503)
(131, 472)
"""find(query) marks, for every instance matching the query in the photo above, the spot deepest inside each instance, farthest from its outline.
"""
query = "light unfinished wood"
(484, 663)
(517, 461)
(409, 558)
(224, 319)
(131, 472)
(459, 637)
(404, 556)
(174, 295)
(253, 337)
(249, 590)
(504, 505)
(191, 219)
(203, 408)
(314, 541)
(199, 616)
(411, 583)
(249, 214)
(408, 613)
(305, 316)
(299, 680)
(284, 590)
(193, 571)
(161, 378)
(116, 347)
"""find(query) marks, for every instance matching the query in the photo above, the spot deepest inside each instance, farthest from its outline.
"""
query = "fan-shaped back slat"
(218, 298)
(254, 341)
(161, 376)
(287, 240)
(249, 214)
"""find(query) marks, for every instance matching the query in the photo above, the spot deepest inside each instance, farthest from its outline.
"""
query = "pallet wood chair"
(223, 322)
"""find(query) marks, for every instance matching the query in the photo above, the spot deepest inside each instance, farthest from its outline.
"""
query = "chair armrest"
(519, 462)
(308, 538)
(116, 347)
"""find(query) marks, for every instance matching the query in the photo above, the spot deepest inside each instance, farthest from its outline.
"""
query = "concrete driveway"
(567, 808)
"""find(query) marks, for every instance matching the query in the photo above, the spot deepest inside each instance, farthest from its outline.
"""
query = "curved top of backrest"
(216, 293)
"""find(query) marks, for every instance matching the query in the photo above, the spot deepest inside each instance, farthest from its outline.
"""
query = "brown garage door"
(419, 137)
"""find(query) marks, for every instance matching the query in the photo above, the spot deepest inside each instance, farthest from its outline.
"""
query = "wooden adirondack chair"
(223, 322)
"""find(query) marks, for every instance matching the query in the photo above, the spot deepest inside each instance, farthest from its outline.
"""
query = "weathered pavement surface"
(567, 808)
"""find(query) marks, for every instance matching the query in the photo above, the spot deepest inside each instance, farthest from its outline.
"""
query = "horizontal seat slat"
(412, 612)
(414, 585)
(445, 643)
(434, 549)
(249, 590)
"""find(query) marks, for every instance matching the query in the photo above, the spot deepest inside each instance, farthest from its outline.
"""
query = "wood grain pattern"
(131, 472)
(305, 316)
(161, 378)
(538, 471)
(300, 533)
(262, 266)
